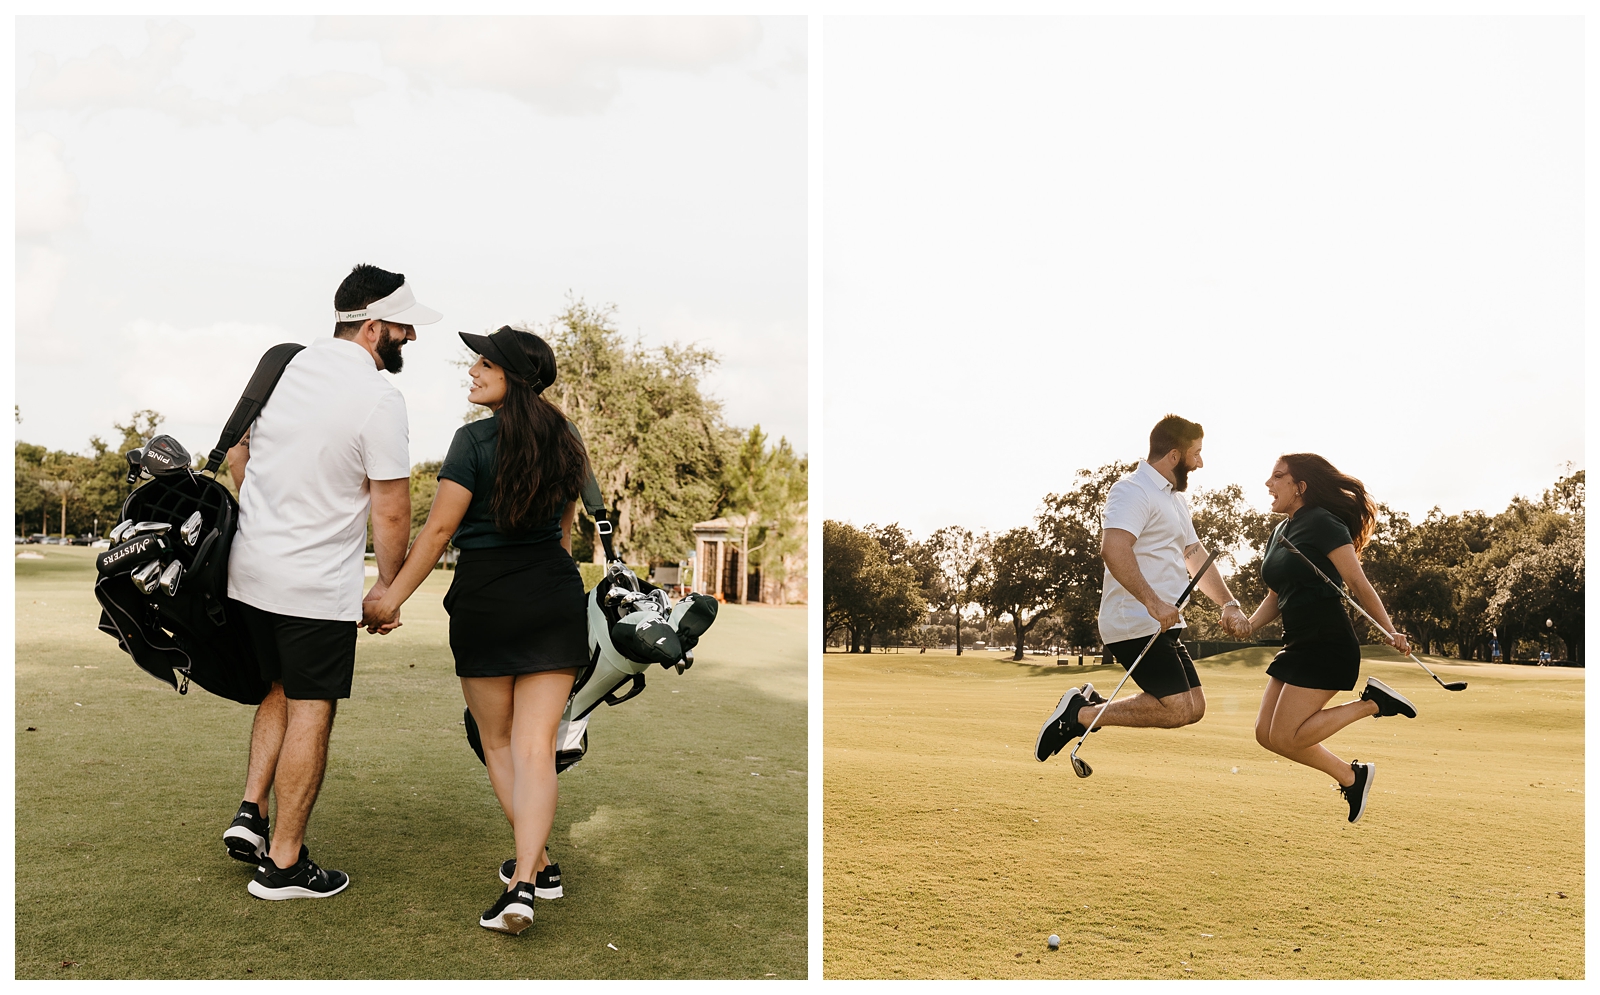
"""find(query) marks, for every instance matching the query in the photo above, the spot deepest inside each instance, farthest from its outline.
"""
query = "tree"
(766, 492)
(1020, 580)
(959, 555)
(1069, 526)
(863, 592)
(656, 441)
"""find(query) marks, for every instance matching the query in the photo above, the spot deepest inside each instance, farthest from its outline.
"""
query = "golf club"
(170, 577)
(1452, 686)
(1081, 767)
(164, 454)
(190, 530)
(146, 577)
(116, 534)
(144, 527)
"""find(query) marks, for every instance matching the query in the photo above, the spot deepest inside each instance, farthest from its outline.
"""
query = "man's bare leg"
(1146, 711)
(301, 763)
(266, 741)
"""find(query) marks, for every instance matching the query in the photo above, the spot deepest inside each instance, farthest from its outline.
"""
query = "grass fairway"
(681, 836)
(1190, 853)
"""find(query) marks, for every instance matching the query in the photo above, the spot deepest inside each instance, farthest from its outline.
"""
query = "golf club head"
(190, 530)
(146, 577)
(621, 576)
(168, 582)
(134, 457)
(116, 534)
(143, 527)
(1080, 767)
(164, 454)
(1453, 685)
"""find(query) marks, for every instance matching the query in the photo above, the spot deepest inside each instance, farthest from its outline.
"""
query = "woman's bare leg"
(1292, 723)
(490, 699)
(539, 700)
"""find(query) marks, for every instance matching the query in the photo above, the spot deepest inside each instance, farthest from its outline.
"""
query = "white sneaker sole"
(245, 839)
(516, 918)
(293, 891)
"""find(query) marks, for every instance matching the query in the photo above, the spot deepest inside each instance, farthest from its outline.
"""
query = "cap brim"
(481, 345)
(416, 314)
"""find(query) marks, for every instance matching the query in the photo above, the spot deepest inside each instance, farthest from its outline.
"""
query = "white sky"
(192, 190)
(1361, 237)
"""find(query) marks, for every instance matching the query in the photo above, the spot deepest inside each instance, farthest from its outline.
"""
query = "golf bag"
(632, 624)
(163, 584)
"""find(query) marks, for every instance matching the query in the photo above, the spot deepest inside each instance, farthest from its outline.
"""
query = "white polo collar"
(346, 350)
(1152, 476)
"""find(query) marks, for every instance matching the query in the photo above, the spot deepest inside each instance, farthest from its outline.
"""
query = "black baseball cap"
(504, 348)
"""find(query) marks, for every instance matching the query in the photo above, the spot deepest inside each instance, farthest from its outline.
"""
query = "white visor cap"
(400, 307)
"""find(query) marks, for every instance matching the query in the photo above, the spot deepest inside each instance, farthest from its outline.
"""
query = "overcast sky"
(1361, 237)
(191, 190)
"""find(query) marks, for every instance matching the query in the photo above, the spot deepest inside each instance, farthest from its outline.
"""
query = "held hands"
(1234, 622)
(378, 614)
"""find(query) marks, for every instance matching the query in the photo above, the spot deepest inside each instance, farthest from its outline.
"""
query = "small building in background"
(719, 565)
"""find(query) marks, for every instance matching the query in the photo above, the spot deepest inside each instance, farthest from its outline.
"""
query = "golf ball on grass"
(1054, 941)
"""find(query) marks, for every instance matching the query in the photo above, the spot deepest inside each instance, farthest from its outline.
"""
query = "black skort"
(1165, 671)
(517, 610)
(1320, 648)
(313, 658)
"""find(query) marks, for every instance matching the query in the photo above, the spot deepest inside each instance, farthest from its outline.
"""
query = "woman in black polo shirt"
(1330, 520)
(506, 498)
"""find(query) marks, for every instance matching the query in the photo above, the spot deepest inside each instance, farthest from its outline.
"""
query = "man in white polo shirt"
(330, 445)
(1150, 548)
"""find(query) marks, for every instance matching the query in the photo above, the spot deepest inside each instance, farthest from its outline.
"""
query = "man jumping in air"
(1150, 548)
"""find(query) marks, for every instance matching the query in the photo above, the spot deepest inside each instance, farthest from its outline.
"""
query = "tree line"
(1455, 583)
(663, 453)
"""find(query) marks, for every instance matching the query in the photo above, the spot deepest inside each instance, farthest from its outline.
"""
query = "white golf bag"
(632, 625)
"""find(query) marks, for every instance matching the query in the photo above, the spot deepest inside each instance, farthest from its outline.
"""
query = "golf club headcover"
(647, 637)
(691, 617)
(135, 552)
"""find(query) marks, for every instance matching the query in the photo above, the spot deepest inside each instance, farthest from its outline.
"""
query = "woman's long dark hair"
(541, 465)
(1343, 495)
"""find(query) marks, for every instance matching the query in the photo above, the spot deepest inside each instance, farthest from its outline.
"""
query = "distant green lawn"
(950, 852)
(681, 836)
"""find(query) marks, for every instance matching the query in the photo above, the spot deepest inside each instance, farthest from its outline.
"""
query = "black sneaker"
(246, 839)
(304, 880)
(1357, 793)
(512, 912)
(1388, 700)
(546, 883)
(1061, 727)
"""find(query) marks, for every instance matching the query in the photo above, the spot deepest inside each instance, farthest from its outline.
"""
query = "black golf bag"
(179, 524)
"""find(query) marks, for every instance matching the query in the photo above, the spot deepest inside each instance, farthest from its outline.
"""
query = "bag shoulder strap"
(256, 392)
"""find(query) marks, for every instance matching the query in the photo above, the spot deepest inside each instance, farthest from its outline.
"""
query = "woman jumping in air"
(1330, 520)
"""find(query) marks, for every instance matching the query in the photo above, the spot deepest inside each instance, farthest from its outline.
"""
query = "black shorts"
(1320, 648)
(313, 658)
(1165, 671)
(517, 610)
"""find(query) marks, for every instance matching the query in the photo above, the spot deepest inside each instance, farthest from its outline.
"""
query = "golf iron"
(1081, 767)
(1452, 686)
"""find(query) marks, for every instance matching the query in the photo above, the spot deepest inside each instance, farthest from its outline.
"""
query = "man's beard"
(1180, 474)
(388, 350)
